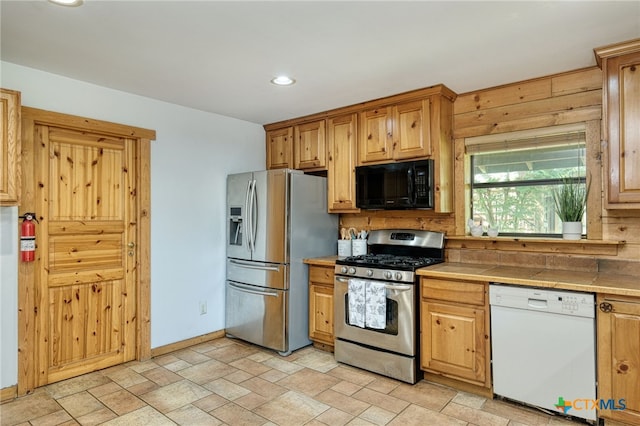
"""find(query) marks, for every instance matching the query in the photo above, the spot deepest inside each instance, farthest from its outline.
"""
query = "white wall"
(190, 158)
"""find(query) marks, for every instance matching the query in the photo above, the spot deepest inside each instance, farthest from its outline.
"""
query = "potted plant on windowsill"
(571, 203)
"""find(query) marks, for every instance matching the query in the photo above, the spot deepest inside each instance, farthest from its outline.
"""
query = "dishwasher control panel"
(543, 300)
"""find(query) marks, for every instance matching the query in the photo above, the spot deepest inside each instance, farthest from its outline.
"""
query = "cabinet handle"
(606, 307)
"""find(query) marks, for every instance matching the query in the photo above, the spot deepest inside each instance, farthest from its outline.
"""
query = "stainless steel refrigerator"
(275, 219)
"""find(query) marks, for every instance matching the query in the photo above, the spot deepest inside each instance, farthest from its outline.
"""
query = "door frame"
(27, 308)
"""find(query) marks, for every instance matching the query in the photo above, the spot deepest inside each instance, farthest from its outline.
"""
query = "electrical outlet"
(203, 307)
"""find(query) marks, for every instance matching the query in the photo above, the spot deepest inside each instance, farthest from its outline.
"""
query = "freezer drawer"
(260, 274)
(257, 315)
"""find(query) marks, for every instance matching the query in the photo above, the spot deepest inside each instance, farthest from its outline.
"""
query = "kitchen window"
(513, 177)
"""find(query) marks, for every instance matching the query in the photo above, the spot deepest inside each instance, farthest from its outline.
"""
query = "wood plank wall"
(571, 97)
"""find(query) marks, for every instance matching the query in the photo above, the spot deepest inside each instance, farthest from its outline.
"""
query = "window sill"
(540, 245)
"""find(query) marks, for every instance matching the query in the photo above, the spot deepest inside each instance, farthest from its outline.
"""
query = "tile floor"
(225, 381)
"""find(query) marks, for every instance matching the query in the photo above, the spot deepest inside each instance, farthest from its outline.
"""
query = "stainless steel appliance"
(552, 333)
(393, 257)
(393, 186)
(276, 218)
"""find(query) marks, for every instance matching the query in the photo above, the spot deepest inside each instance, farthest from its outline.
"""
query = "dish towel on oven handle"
(376, 305)
(356, 297)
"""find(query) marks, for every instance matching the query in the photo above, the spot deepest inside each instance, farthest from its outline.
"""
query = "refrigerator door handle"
(253, 265)
(254, 215)
(247, 211)
(257, 292)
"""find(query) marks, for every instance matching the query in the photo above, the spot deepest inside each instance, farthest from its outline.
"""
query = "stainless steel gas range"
(376, 302)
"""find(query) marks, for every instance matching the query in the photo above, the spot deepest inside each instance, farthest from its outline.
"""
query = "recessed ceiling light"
(67, 2)
(283, 80)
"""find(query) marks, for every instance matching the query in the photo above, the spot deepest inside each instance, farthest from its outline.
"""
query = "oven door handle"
(398, 287)
(401, 287)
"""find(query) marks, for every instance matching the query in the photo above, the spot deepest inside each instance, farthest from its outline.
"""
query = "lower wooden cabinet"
(454, 330)
(321, 305)
(619, 357)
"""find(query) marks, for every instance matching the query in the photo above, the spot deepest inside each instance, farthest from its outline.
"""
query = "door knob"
(131, 245)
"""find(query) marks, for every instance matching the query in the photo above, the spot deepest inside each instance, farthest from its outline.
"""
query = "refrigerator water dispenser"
(235, 226)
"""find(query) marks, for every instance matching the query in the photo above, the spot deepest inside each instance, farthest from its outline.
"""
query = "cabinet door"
(376, 135)
(619, 358)
(622, 127)
(279, 148)
(411, 130)
(453, 341)
(321, 313)
(10, 147)
(341, 140)
(309, 149)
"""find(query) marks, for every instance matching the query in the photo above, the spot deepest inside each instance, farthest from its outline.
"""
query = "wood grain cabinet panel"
(397, 132)
(280, 148)
(621, 122)
(321, 305)
(341, 151)
(618, 339)
(309, 148)
(10, 147)
(454, 330)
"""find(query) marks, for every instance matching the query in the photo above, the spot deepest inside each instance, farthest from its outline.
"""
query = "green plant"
(571, 199)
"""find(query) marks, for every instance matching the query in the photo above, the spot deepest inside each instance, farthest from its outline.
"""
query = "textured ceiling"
(219, 56)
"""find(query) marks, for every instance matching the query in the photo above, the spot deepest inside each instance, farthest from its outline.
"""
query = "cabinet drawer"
(319, 274)
(453, 291)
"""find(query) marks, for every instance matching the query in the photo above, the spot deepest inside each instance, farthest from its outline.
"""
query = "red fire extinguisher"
(28, 237)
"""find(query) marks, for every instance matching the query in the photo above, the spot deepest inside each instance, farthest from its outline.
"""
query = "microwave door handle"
(411, 187)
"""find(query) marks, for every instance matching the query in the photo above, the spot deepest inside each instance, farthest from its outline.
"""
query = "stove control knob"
(398, 276)
(352, 270)
(343, 270)
(388, 275)
(369, 272)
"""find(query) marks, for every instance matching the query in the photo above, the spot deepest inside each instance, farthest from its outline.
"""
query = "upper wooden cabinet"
(620, 64)
(398, 132)
(10, 147)
(280, 148)
(341, 152)
(309, 146)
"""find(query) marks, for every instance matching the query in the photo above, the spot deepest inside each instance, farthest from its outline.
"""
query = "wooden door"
(619, 357)
(452, 340)
(623, 114)
(309, 149)
(280, 148)
(412, 130)
(321, 304)
(376, 135)
(84, 288)
(341, 177)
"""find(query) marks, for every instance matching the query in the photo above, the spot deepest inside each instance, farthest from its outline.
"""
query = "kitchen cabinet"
(620, 64)
(321, 305)
(341, 152)
(280, 148)
(309, 148)
(618, 336)
(454, 330)
(398, 132)
(10, 148)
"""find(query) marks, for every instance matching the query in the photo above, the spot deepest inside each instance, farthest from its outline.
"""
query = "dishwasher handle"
(537, 303)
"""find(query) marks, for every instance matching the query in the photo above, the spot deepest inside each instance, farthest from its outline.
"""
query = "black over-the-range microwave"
(406, 185)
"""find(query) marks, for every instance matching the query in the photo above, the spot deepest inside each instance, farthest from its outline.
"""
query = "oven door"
(400, 333)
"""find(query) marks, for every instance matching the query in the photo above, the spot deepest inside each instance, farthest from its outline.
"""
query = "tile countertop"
(593, 282)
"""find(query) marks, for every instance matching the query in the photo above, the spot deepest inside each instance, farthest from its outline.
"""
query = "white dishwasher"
(543, 348)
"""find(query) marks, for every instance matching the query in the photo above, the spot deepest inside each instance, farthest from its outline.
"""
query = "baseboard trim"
(162, 350)
(9, 393)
